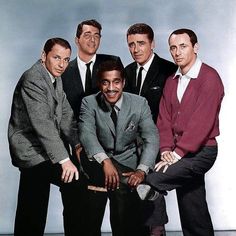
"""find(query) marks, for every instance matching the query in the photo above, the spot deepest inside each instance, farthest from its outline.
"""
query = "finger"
(127, 174)
(76, 175)
(70, 177)
(161, 164)
(165, 168)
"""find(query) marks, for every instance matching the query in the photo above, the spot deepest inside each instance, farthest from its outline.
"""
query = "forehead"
(177, 39)
(111, 75)
(60, 50)
(137, 37)
(89, 28)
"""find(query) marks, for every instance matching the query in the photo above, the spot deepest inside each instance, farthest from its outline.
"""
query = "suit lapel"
(77, 82)
(151, 75)
(105, 114)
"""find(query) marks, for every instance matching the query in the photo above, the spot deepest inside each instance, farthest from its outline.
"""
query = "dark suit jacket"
(40, 116)
(153, 85)
(98, 134)
(72, 83)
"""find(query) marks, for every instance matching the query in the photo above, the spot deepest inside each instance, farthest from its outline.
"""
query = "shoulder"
(131, 66)
(165, 64)
(134, 99)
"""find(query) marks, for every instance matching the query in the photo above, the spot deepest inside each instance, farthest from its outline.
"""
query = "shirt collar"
(117, 104)
(147, 64)
(83, 64)
(193, 72)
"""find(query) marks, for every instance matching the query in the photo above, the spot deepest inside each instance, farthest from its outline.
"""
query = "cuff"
(64, 160)
(100, 157)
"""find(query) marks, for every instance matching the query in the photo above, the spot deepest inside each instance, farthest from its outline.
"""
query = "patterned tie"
(113, 115)
(139, 80)
(88, 80)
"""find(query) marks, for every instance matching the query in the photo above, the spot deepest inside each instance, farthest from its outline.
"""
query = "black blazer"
(154, 82)
(72, 83)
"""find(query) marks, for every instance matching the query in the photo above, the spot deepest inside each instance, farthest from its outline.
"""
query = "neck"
(85, 57)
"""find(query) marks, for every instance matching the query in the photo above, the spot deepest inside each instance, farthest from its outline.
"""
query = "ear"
(196, 48)
(153, 44)
(43, 56)
(76, 41)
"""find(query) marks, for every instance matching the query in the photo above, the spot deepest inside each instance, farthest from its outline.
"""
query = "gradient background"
(27, 24)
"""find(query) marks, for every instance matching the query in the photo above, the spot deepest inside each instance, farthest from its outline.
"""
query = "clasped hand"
(167, 159)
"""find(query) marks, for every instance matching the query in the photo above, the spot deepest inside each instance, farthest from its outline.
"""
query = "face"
(56, 60)
(140, 47)
(111, 85)
(182, 51)
(89, 40)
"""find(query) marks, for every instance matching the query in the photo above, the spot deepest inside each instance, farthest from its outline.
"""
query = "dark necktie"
(139, 80)
(54, 84)
(88, 79)
(113, 115)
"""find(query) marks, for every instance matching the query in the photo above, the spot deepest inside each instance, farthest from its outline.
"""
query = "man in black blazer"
(79, 80)
(146, 76)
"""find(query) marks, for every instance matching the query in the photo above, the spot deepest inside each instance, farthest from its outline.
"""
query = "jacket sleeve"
(42, 119)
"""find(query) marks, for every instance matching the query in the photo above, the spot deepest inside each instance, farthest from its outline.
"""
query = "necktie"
(113, 115)
(54, 84)
(88, 80)
(139, 80)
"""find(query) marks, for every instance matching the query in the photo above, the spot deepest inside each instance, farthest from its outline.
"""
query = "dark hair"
(190, 33)
(51, 42)
(88, 22)
(109, 66)
(141, 28)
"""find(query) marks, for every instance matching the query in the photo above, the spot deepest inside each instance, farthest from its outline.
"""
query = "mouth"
(111, 94)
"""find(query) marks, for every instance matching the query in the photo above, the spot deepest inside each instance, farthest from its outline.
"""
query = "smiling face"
(140, 47)
(56, 60)
(111, 85)
(89, 41)
(183, 52)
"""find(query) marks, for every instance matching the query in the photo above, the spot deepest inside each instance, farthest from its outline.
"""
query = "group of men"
(101, 131)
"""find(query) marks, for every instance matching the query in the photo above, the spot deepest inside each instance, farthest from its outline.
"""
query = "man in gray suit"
(40, 117)
(109, 124)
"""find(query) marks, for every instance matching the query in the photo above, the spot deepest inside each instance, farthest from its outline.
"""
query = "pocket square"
(131, 126)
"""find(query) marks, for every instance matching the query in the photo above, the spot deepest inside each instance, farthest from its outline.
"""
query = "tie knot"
(140, 69)
(88, 64)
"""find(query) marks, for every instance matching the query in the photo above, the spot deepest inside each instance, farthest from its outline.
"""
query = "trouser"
(33, 197)
(187, 177)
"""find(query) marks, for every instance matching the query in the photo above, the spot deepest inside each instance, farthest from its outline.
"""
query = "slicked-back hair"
(53, 41)
(91, 22)
(109, 66)
(141, 28)
(189, 32)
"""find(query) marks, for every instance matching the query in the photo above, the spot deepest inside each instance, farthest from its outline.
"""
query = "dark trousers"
(33, 197)
(187, 177)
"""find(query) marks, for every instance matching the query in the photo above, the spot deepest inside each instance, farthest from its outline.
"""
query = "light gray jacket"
(98, 135)
(40, 117)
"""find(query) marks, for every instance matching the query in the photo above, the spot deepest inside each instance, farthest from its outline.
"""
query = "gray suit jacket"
(40, 117)
(98, 134)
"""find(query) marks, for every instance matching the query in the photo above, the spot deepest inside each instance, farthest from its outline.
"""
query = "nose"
(61, 63)
(178, 51)
(110, 86)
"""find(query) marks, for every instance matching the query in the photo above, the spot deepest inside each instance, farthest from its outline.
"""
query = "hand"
(167, 159)
(112, 179)
(135, 177)
(69, 171)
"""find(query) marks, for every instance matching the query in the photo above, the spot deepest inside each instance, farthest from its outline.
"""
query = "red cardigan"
(185, 127)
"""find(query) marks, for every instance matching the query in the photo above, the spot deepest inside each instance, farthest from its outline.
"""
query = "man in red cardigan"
(188, 123)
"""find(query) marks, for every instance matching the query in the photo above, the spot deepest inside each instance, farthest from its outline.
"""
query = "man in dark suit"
(109, 124)
(79, 80)
(40, 116)
(146, 76)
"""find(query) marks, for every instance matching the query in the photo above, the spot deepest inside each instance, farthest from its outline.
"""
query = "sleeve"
(87, 130)
(42, 120)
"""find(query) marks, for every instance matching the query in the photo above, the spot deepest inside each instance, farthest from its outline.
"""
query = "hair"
(190, 33)
(109, 66)
(53, 41)
(141, 28)
(91, 22)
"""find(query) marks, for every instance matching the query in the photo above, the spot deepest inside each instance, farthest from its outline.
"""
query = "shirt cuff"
(64, 160)
(100, 157)
(143, 167)
(177, 156)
